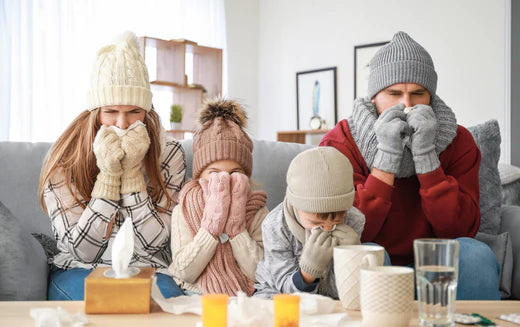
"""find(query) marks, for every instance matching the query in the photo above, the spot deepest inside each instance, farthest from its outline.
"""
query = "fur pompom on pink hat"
(221, 136)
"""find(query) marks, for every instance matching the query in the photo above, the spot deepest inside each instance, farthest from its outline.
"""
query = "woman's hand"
(108, 152)
(135, 144)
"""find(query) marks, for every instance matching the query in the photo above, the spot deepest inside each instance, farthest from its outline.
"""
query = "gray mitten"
(424, 124)
(345, 235)
(392, 132)
(317, 253)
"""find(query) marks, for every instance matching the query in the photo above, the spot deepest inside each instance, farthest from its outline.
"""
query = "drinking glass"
(436, 272)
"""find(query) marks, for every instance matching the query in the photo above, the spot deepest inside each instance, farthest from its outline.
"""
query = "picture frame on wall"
(316, 99)
(362, 56)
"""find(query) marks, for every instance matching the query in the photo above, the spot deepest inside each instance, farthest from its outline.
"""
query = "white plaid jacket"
(85, 236)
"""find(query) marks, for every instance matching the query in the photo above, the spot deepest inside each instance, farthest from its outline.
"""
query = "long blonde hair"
(72, 153)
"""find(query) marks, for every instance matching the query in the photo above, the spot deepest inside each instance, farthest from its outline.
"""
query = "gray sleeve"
(356, 220)
(275, 272)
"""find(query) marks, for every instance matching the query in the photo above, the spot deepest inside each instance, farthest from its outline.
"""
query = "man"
(415, 169)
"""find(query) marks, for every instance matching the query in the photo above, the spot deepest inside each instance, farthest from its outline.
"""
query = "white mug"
(348, 260)
(386, 296)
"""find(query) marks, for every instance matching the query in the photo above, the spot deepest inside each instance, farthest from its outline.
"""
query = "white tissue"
(249, 311)
(315, 304)
(321, 227)
(123, 249)
(407, 110)
(57, 317)
(122, 132)
(176, 305)
(315, 310)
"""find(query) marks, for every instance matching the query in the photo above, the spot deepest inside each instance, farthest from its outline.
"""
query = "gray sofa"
(23, 264)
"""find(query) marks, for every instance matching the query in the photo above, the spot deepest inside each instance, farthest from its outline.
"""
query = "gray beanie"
(320, 180)
(401, 61)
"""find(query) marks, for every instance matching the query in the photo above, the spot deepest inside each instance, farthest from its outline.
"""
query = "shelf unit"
(302, 136)
(171, 63)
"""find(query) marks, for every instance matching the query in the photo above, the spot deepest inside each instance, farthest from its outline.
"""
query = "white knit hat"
(320, 180)
(119, 76)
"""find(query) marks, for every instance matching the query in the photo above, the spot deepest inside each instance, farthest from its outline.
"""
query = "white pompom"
(128, 37)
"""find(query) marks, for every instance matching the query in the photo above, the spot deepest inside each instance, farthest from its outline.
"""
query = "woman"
(112, 162)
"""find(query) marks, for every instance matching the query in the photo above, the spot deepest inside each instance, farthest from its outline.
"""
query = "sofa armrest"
(511, 224)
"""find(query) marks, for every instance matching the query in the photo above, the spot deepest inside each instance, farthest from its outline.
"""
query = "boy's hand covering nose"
(317, 253)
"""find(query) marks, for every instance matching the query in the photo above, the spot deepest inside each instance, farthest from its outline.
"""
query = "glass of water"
(436, 272)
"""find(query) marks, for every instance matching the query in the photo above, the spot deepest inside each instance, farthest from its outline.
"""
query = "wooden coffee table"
(16, 314)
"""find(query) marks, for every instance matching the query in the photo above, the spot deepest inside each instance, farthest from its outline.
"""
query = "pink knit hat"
(221, 136)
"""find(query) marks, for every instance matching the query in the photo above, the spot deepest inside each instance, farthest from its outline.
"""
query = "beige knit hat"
(221, 136)
(320, 180)
(119, 76)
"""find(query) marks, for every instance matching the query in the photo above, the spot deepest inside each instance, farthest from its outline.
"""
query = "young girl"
(216, 228)
(112, 162)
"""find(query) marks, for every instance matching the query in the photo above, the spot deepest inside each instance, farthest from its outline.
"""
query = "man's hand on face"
(393, 133)
(423, 123)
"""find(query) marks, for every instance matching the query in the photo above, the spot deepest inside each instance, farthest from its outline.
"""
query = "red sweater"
(442, 204)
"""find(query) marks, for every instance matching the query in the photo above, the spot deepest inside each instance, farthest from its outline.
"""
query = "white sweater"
(191, 254)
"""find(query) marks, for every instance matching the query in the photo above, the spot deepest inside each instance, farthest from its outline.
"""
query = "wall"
(242, 56)
(515, 82)
(466, 39)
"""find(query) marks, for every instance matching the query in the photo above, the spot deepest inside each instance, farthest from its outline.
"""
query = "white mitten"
(135, 144)
(108, 152)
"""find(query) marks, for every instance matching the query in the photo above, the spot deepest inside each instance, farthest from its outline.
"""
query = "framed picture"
(362, 56)
(316, 97)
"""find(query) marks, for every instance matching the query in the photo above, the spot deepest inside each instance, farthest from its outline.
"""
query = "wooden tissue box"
(125, 295)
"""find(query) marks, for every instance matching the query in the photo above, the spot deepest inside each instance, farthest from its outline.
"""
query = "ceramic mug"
(348, 260)
(387, 296)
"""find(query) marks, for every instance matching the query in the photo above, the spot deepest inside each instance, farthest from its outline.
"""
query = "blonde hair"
(72, 153)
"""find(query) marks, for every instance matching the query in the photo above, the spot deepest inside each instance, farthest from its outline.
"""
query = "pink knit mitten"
(240, 190)
(217, 199)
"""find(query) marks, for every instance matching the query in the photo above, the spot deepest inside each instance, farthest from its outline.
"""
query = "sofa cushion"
(503, 250)
(21, 164)
(49, 244)
(487, 137)
(22, 262)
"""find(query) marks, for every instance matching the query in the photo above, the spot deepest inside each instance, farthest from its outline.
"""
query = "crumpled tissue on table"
(176, 305)
(315, 310)
(57, 317)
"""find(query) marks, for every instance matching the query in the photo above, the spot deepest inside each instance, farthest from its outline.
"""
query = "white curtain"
(47, 48)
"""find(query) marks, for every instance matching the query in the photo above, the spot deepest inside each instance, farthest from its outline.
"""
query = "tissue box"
(125, 295)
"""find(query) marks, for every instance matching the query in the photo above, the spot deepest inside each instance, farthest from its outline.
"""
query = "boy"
(300, 233)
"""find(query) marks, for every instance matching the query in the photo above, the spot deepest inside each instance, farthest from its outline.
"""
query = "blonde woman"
(112, 162)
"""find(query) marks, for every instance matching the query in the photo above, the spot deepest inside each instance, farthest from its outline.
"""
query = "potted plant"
(175, 116)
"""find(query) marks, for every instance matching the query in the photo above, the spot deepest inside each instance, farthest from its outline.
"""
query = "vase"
(175, 125)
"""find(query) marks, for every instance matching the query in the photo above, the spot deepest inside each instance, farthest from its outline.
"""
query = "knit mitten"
(424, 124)
(392, 132)
(135, 144)
(317, 253)
(240, 190)
(108, 152)
(216, 202)
(345, 235)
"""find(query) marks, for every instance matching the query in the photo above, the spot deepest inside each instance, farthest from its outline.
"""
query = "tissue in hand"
(122, 132)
